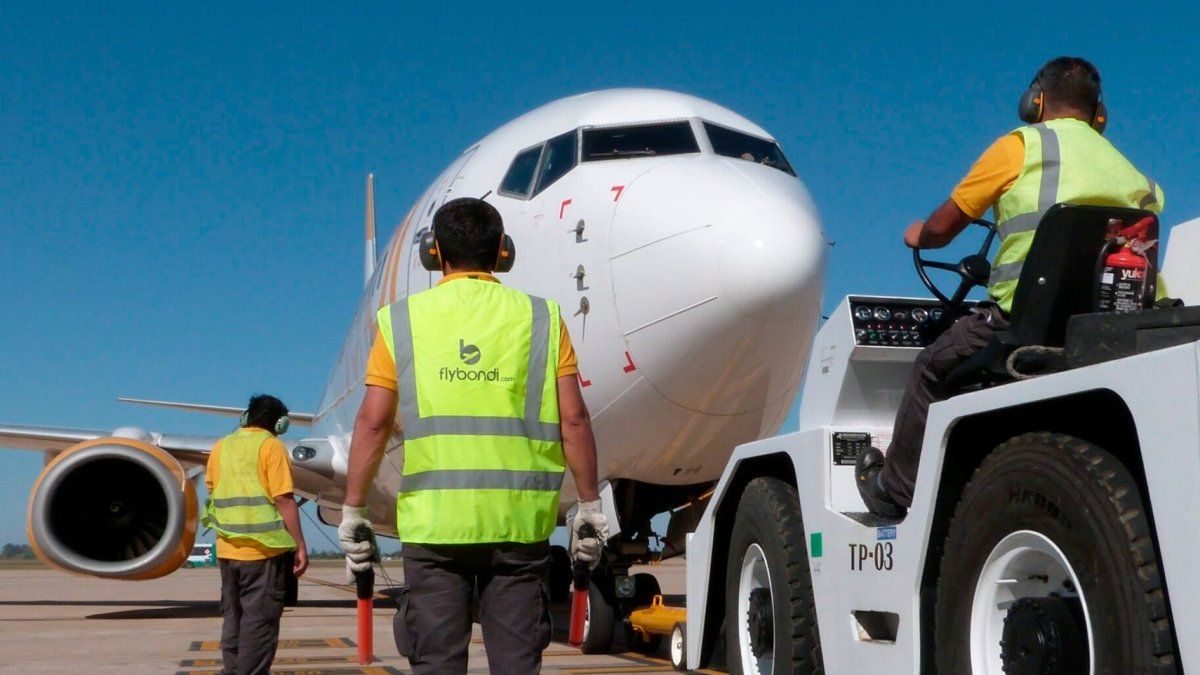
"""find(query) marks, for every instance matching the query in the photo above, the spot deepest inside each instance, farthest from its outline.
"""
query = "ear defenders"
(281, 424)
(431, 256)
(1029, 109)
(1033, 103)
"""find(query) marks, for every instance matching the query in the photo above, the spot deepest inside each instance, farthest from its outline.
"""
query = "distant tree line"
(314, 554)
(16, 552)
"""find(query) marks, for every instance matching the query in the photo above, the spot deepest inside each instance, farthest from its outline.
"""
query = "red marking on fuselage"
(629, 367)
(562, 209)
(618, 189)
(583, 382)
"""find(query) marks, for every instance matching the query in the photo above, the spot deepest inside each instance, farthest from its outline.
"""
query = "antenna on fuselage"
(369, 260)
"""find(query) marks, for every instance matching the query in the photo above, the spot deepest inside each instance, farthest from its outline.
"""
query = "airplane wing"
(188, 449)
(300, 418)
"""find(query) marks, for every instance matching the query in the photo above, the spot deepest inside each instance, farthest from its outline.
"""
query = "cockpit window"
(736, 144)
(557, 160)
(639, 140)
(519, 180)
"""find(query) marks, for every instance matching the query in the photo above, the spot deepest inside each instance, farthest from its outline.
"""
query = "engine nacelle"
(113, 507)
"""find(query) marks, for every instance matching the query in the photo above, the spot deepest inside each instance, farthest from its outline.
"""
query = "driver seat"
(1058, 281)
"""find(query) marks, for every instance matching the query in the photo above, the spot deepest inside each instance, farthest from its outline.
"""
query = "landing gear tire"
(560, 575)
(642, 644)
(601, 615)
(770, 617)
(679, 647)
(645, 587)
(1049, 567)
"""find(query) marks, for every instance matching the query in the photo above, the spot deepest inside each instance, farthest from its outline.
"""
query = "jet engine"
(117, 508)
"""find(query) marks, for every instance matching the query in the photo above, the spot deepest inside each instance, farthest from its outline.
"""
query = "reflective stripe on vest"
(239, 506)
(476, 367)
(1065, 161)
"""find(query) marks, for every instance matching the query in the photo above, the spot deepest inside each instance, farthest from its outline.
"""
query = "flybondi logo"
(464, 375)
(470, 355)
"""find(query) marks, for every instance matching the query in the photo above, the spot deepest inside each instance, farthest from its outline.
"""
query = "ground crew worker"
(1059, 157)
(251, 508)
(490, 410)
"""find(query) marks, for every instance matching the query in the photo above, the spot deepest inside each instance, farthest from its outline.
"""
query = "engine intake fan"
(113, 507)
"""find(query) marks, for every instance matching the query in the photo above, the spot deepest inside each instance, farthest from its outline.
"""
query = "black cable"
(336, 546)
(387, 579)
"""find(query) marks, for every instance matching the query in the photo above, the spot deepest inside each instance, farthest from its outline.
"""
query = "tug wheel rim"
(757, 658)
(1024, 565)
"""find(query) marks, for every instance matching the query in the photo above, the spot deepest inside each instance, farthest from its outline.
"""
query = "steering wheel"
(972, 270)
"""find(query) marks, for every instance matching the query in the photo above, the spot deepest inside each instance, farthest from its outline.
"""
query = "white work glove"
(360, 551)
(587, 549)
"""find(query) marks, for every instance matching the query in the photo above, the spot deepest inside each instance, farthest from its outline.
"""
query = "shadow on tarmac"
(163, 609)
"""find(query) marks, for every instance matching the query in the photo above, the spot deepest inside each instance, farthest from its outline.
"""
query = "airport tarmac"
(52, 622)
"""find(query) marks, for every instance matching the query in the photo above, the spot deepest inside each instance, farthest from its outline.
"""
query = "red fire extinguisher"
(1126, 280)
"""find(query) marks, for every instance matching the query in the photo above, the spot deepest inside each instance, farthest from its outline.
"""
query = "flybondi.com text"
(462, 374)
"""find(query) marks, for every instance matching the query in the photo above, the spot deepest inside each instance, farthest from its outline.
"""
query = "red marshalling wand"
(581, 574)
(364, 583)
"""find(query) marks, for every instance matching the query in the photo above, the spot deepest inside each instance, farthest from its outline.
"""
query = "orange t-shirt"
(991, 176)
(381, 367)
(275, 472)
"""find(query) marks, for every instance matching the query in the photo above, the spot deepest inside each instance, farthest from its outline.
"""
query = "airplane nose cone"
(771, 260)
(717, 268)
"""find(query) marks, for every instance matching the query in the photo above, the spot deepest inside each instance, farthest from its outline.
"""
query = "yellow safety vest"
(476, 367)
(239, 506)
(1066, 161)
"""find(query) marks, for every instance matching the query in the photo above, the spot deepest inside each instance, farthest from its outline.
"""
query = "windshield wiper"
(623, 153)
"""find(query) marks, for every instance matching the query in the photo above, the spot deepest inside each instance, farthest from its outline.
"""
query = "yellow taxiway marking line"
(621, 669)
(639, 663)
(359, 670)
(306, 643)
(279, 661)
(665, 668)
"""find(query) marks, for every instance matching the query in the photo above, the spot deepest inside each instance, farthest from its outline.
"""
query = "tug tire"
(1084, 500)
(768, 515)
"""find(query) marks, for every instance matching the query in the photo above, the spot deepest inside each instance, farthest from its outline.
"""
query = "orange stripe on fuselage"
(388, 296)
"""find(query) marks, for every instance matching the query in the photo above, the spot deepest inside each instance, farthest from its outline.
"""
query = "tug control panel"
(890, 322)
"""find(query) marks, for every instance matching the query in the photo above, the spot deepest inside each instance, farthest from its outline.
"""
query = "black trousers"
(434, 623)
(926, 384)
(251, 604)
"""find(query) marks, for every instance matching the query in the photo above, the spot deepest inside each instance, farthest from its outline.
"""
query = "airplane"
(687, 258)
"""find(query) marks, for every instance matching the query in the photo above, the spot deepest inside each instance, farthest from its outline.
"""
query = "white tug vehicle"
(1054, 523)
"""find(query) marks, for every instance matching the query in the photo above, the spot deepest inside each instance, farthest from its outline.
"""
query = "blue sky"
(181, 186)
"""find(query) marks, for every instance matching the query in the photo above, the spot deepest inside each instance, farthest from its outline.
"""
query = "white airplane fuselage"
(690, 284)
